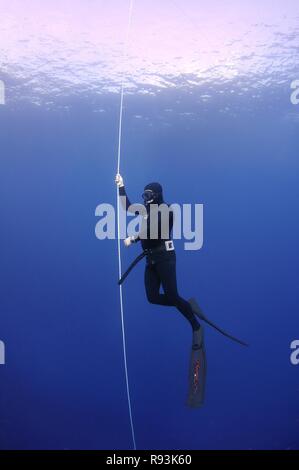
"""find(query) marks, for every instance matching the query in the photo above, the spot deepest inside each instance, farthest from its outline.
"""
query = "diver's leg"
(167, 275)
(152, 284)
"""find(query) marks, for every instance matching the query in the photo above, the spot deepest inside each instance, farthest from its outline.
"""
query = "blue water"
(63, 384)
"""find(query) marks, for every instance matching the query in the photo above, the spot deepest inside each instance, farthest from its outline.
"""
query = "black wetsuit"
(160, 267)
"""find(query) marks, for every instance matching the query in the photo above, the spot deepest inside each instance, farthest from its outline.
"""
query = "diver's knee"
(152, 299)
(175, 300)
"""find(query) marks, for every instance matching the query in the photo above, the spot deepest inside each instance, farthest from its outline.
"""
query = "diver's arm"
(125, 201)
(165, 227)
(171, 221)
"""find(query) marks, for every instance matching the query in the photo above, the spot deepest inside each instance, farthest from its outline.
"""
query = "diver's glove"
(128, 241)
(119, 180)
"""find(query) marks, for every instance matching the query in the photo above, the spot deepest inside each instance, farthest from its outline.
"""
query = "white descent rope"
(118, 227)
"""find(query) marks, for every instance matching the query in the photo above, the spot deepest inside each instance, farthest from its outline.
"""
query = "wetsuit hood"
(157, 193)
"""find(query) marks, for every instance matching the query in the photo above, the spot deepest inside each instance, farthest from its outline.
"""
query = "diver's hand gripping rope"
(119, 180)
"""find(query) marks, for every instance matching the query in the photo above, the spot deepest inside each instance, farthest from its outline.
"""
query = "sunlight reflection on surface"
(55, 50)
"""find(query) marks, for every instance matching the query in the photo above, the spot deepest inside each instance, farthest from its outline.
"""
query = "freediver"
(160, 266)
(160, 270)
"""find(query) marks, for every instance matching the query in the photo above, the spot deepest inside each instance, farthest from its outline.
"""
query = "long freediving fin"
(197, 371)
(197, 310)
(132, 265)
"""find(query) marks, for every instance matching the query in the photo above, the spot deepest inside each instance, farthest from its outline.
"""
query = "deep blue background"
(63, 384)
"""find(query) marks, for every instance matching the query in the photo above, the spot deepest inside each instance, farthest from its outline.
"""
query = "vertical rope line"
(118, 227)
(125, 54)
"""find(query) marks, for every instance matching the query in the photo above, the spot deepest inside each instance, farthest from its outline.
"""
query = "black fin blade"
(196, 309)
(197, 378)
